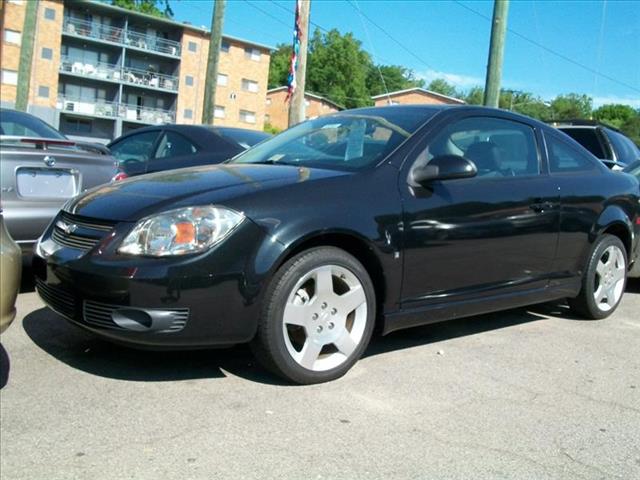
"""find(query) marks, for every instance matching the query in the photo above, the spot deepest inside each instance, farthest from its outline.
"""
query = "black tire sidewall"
(278, 294)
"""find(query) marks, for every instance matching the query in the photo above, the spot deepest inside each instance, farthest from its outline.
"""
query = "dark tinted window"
(25, 125)
(498, 147)
(588, 138)
(627, 150)
(564, 158)
(134, 149)
(174, 145)
(246, 138)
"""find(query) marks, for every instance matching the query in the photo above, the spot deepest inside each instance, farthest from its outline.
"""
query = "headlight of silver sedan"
(181, 231)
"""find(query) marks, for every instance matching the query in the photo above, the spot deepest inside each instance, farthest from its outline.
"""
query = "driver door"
(472, 238)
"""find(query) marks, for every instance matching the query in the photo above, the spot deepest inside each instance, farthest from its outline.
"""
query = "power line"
(551, 51)
(279, 20)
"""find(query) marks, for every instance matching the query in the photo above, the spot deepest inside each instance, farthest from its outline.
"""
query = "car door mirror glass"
(443, 167)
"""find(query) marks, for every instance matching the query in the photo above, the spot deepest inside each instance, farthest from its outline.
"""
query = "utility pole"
(496, 53)
(211, 80)
(26, 55)
(297, 105)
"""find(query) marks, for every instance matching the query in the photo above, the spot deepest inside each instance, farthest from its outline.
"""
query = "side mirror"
(444, 167)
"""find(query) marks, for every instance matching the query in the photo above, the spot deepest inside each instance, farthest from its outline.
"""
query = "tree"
(279, 66)
(475, 96)
(157, 8)
(615, 115)
(395, 78)
(572, 105)
(337, 68)
(440, 85)
(631, 128)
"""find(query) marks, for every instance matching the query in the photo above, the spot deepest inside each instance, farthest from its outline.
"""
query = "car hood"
(133, 199)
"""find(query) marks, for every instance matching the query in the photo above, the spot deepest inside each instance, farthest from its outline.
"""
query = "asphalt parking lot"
(526, 394)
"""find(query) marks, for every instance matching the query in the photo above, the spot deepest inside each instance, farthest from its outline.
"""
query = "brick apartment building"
(414, 96)
(277, 113)
(100, 71)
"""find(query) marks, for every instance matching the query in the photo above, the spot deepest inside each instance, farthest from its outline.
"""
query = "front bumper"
(195, 301)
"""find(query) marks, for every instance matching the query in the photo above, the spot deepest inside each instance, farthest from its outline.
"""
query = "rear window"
(626, 150)
(588, 138)
(22, 124)
(246, 138)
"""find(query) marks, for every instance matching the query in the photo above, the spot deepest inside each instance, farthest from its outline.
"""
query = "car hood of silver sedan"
(131, 200)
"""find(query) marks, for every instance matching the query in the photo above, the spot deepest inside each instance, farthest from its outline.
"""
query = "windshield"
(246, 138)
(343, 141)
(24, 125)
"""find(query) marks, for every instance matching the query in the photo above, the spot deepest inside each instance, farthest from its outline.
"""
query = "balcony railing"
(153, 43)
(146, 78)
(84, 28)
(108, 71)
(103, 108)
(100, 108)
(94, 30)
(101, 70)
(147, 114)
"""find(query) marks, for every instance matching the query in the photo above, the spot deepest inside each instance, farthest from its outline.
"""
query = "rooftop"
(417, 90)
(309, 94)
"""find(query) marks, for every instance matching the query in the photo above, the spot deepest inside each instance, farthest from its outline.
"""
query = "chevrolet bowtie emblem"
(66, 227)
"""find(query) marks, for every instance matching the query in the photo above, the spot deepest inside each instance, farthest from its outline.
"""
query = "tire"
(314, 327)
(603, 281)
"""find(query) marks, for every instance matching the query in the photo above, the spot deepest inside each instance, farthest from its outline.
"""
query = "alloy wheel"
(610, 278)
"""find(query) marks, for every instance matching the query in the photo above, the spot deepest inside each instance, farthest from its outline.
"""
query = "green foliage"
(157, 8)
(395, 78)
(615, 115)
(441, 86)
(571, 105)
(631, 128)
(268, 128)
(340, 69)
(279, 66)
(474, 96)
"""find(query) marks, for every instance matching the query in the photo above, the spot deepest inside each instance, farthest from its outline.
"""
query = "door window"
(134, 149)
(174, 145)
(564, 158)
(498, 147)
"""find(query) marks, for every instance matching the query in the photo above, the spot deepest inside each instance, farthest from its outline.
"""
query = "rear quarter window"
(588, 138)
(566, 158)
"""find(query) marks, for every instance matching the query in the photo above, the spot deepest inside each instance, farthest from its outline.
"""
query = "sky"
(547, 45)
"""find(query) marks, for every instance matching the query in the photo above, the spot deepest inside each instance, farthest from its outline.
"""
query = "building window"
(267, 118)
(47, 53)
(218, 112)
(188, 80)
(247, 116)
(223, 79)
(252, 53)
(49, 14)
(43, 91)
(10, 77)
(249, 85)
(77, 125)
(193, 47)
(268, 101)
(188, 113)
(12, 36)
(224, 46)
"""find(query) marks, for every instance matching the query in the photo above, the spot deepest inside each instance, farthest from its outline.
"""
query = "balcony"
(101, 71)
(152, 43)
(106, 109)
(141, 41)
(97, 108)
(96, 31)
(116, 73)
(150, 79)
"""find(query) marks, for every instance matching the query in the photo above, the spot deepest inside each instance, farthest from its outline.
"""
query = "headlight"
(181, 231)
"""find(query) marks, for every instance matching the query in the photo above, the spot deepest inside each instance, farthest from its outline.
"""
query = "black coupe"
(396, 216)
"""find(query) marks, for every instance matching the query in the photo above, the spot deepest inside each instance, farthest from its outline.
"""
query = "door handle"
(540, 207)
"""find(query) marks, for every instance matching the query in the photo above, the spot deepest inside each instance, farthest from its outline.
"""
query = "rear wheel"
(604, 280)
(317, 318)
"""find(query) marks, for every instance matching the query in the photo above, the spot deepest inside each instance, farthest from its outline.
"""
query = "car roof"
(200, 134)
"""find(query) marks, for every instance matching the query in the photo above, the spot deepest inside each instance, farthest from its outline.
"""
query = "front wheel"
(318, 316)
(604, 280)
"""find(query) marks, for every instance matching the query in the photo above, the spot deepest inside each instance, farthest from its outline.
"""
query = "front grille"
(99, 314)
(80, 233)
(58, 299)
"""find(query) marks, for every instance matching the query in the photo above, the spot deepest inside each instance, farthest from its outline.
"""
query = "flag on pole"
(297, 36)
